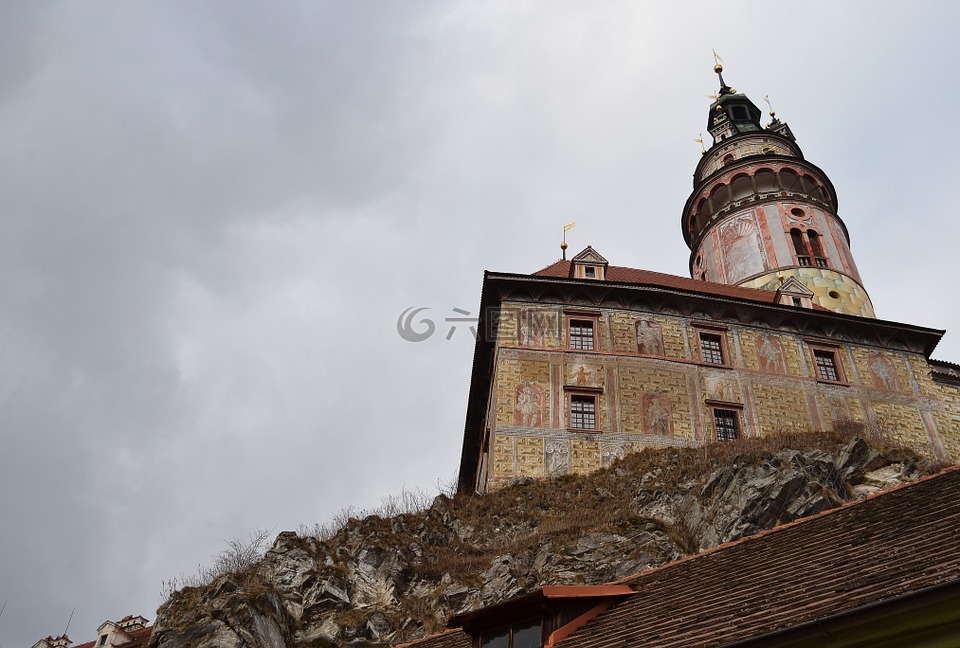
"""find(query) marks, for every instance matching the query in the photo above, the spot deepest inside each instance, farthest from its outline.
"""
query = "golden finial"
(563, 246)
(772, 113)
(703, 150)
(713, 96)
(717, 62)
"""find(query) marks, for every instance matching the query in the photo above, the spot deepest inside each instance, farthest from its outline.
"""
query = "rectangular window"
(103, 640)
(711, 348)
(821, 262)
(826, 365)
(583, 412)
(581, 335)
(727, 424)
(527, 634)
(803, 260)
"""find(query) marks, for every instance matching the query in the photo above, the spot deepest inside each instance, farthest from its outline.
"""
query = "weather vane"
(563, 246)
(767, 99)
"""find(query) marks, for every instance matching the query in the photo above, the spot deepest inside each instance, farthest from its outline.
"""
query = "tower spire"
(760, 214)
(718, 68)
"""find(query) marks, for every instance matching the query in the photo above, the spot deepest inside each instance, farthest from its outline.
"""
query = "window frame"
(833, 353)
(509, 630)
(585, 396)
(571, 319)
(720, 334)
(736, 410)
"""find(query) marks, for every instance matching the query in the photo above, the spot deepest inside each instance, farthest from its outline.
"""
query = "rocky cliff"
(385, 580)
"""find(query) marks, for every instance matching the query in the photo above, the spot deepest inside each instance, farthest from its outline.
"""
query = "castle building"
(132, 631)
(774, 331)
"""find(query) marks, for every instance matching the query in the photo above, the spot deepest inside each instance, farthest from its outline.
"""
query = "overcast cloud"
(212, 214)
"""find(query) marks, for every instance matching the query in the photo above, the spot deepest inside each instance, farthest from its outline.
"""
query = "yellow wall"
(889, 390)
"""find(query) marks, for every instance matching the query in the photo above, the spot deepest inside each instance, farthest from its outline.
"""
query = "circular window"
(834, 294)
(797, 213)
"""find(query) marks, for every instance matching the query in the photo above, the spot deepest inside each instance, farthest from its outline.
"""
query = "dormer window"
(588, 265)
(527, 634)
(793, 293)
(103, 640)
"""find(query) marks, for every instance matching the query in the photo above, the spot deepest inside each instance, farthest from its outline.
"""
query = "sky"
(212, 215)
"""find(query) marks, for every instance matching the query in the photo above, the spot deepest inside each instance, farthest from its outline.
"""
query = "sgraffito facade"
(582, 361)
(668, 377)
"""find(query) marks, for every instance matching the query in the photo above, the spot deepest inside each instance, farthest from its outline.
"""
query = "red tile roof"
(137, 638)
(893, 544)
(455, 638)
(619, 274)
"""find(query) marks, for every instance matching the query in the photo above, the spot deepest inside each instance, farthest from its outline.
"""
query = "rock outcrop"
(385, 580)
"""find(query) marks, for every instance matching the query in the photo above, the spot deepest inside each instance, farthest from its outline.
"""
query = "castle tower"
(760, 213)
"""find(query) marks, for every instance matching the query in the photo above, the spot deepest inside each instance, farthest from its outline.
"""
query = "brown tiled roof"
(137, 638)
(891, 545)
(619, 274)
(455, 638)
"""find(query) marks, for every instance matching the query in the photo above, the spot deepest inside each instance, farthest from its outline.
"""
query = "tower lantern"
(760, 213)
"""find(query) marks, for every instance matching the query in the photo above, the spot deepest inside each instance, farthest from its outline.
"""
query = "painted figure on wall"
(582, 375)
(717, 388)
(743, 254)
(770, 354)
(838, 409)
(610, 452)
(532, 326)
(884, 375)
(529, 405)
(558, 457)
(649, 338)
(657, 414)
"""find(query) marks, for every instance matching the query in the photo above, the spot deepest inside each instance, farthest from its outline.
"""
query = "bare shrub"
(240, 558)
(391, 506)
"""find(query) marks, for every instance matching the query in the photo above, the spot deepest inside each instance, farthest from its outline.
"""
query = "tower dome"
(760, 213)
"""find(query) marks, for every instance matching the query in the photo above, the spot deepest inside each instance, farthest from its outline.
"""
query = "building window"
(583, 412)
(103, 640)
(590, 272)
(826, 365)
(581, 335)
(711, 348)
(816, 248)
(808, 248)
(527, 634)
(727, 424)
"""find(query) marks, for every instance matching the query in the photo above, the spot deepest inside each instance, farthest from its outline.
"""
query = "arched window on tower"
(741, 187)
(790, 181)
(816, 249)
(766, 181)
(719, 197)
(799, 248)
